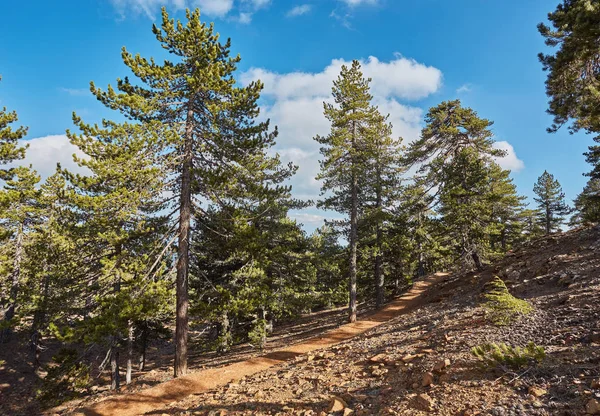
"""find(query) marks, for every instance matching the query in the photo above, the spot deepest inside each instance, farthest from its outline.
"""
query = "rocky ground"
(421, 363)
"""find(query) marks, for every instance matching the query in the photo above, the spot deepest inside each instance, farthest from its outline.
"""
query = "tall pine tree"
(217, 149)
(355, 125)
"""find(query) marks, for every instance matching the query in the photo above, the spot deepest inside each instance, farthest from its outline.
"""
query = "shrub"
(66, 380)
(502, 307)
(502, 355)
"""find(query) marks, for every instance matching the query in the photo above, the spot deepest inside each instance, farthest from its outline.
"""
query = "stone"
(336, 404)
(379, 358)
(595, 384)
(537, 391)
(427, 379)
(440, 365)
(408, 358)
(592, 407)
(423, 402)
(347, 412)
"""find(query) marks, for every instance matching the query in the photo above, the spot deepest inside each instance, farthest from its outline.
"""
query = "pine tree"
(18, 212)
(10, 147)
(382, 189)
(118, 227)
(454, 153)
(587, 205)
(551, 202)
(217, 151)
(573, 75)
(15, 204)
(355, 124)
(506, 206)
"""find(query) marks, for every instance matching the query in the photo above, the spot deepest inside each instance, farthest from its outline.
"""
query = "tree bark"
(353, 235)
(379, 277)
(38, 320)
(143, 347)
(9, 313)
(185, 213)
(114, 365)
(130, 329)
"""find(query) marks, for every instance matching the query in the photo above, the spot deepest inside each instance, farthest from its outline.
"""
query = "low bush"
(501, 306)
(502, 355)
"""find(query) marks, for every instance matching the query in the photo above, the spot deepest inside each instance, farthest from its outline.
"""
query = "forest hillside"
(422, 361)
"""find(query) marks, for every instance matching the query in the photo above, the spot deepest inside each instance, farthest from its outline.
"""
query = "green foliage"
(587, 204)
(501, 355)
(67, 378)
(502, 307)
(258, 334)
(550, 198)
(573, 82)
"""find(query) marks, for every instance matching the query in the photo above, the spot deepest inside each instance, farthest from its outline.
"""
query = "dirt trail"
(161, 395)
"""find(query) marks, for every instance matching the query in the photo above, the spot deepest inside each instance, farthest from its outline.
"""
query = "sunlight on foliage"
(494, 355)
(501, 306)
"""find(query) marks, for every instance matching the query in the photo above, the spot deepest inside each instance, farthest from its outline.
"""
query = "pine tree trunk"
(9, 313)
(143, 347)
(38, 320)
(353, 237)
(477, 260)
(114, 365)
(379, 277)
(185, 213)
(225, 329)
(548, 220)
(130, 329)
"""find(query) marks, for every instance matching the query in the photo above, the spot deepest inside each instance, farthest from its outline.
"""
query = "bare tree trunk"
(130, 329)
(143, 347)
(9, 313)
(114, 365)
(379, 277)
(224, 329)
(353, 236)
(476, 260)
(38, 320)
(185, 213)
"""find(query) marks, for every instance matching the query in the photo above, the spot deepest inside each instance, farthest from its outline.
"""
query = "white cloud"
(218, 8)
(402, 77)
(464, 88)
(299, 10)
(510, 161)
(45, 152)
(294, 102)
(245, 18)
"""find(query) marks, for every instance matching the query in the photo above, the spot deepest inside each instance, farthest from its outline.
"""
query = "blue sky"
(417, 52)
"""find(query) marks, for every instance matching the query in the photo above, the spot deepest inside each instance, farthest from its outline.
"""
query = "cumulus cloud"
(216, 8)
(45, 152)
(294, 102)
(299, 10)
(402, 77)
(510, 161)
